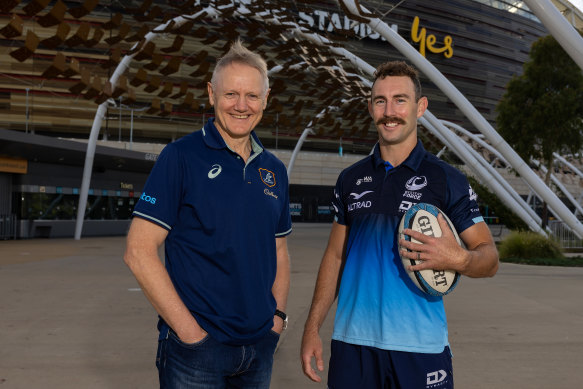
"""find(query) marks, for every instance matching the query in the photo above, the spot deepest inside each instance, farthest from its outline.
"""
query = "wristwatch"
(283, 316)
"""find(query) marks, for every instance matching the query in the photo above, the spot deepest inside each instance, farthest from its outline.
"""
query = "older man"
(219, 203)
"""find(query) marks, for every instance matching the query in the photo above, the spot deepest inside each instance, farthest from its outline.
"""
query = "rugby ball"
(422, 217)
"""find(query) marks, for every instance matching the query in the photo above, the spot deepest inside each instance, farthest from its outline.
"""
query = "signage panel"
(13, 165)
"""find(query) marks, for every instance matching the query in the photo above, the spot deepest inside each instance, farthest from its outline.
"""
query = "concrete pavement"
(73, 316)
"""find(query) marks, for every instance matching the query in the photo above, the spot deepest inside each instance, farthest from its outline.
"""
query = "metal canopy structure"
(155, 57)
(306, 53)
(172, 59)
(566, 35)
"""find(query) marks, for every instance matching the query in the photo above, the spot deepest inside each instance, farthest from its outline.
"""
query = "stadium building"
(135, 73)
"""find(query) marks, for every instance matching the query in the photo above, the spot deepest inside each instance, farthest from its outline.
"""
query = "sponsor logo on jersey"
(358, 205)
(337, 197)
(269, 193)
(416, 183)
(215, 171)
(267, 177)
(405, 205)
(412, 186)
(148, 199)
(473, 195)
(364, 179)
(412, 195)
(436, 379)
(356, 196)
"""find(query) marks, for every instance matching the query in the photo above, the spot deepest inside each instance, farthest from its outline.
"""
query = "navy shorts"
(362, 367)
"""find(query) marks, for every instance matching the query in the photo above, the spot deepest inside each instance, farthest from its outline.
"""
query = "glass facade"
(515, 7)
(57, 205)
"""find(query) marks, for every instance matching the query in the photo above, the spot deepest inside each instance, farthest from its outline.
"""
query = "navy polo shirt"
(222, 217)
(378, 304)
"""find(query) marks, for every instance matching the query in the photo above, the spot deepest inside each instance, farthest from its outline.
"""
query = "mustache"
(388, 119)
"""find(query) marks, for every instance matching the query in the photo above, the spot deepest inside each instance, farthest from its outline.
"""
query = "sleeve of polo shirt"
(284, 226)
(160, 200)
(338, 202)
(463, 209)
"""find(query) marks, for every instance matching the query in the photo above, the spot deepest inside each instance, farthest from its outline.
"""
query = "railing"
(498, 231)
(7, 227)
(563, 234)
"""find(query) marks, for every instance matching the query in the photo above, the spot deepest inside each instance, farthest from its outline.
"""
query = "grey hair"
(241, 55)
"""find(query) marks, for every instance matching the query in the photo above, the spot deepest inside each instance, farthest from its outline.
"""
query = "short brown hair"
(397, 69)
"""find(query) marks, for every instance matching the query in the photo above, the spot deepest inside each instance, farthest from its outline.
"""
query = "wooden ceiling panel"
(304, 77)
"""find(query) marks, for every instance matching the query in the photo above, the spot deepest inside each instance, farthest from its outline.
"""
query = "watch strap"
(283, 317)
(281, 314)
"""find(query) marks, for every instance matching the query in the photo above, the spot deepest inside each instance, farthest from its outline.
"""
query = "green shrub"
(527, 244)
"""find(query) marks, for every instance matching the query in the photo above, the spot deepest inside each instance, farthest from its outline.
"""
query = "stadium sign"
(333, 21)
(330, 21)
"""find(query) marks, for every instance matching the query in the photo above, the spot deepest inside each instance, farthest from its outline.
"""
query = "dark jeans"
(209, 364)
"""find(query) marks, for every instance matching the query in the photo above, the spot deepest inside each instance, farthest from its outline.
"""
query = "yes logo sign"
(429, 41)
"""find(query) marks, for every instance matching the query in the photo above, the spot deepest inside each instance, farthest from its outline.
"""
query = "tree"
(542, 110)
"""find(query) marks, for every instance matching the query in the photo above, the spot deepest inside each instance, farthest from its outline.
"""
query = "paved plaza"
(73, 316)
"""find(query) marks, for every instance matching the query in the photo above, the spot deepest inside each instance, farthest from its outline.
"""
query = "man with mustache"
(218, 202)
(387, 333)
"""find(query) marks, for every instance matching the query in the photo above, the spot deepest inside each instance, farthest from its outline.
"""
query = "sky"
(578, 4)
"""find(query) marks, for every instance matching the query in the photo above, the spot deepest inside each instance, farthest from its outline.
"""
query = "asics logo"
(416, 183)
(215, 171)
(356, 196)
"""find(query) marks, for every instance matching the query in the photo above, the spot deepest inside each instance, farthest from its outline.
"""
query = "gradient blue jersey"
(378, 305)
(223, 216)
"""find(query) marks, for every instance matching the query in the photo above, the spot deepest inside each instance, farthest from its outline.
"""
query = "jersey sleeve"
(463, 209)
(284, 226)
(338, 202)
(161, 198)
